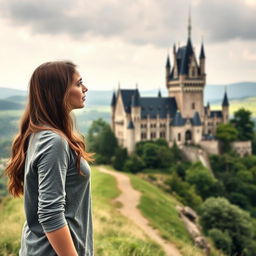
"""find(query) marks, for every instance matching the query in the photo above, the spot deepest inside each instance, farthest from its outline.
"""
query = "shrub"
(221, 240)
(134, 164)
(219, 213)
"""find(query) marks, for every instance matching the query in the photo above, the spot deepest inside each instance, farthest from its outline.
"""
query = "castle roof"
(113, 101)
(130, 125)
(136, 98)
(196, 120)
(216, 113)
(225, 102)
(178, 120)
(158, 105)
(168, 65)
(126, 95)
(149, 105)
(202, 55)
(186, 56)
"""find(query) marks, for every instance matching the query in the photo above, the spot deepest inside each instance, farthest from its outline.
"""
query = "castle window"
(162, 134)
(143, 135)
(152, 135)
(193, 105)
(179, 137)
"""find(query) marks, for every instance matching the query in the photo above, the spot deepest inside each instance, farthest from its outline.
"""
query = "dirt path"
(130, 198)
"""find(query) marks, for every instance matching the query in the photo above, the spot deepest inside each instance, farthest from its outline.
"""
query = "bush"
(119, 158)
(221, 240)
(185, 192)
(202, 179)
(219, 213)
(134, 164)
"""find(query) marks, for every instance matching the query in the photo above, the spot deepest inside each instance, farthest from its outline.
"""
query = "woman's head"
(51, 87)
(55, 89)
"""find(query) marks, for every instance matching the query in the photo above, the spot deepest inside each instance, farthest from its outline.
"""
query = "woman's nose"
(85, 89)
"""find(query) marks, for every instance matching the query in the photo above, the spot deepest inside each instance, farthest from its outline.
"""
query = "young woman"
(49, 166)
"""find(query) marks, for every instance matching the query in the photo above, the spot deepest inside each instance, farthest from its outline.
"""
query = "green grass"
(159, 208)
(114, 234)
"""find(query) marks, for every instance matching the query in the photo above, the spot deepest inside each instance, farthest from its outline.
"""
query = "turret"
(130, 137)
(135, 106)
(225, 108)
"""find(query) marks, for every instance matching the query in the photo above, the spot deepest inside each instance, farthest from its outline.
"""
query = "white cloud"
(125, 41)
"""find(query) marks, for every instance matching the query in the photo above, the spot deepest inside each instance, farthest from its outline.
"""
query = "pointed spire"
(168, 65)
(159, 94)
(225, 102)
(136, 99)
(113, 101)
(174, 48)
(208, 105)
(202, 55)
(189, 23)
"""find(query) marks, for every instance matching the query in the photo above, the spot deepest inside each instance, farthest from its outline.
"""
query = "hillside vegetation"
(114, 234)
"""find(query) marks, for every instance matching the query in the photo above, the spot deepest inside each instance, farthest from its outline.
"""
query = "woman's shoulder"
(50, 138)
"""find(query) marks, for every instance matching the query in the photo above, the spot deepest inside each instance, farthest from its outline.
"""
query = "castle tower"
(225, 108)
(187, 79)
(135, 115)
(130, 137)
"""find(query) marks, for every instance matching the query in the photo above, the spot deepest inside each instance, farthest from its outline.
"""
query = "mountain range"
(213, 94)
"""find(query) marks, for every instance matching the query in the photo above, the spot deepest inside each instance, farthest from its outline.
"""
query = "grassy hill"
(114, 234)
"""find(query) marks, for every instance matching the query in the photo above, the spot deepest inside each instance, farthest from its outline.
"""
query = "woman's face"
(76, 95)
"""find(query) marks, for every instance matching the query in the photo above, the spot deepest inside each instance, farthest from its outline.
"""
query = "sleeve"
(52, 165)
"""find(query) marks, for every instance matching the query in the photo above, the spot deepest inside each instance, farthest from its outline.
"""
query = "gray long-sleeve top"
(55, 195)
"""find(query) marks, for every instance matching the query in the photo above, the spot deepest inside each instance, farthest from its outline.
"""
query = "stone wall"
(210, 146)
(242, 147)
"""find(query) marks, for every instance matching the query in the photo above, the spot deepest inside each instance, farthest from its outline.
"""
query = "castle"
(180, 117)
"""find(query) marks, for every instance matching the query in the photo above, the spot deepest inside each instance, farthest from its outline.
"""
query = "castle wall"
(210, 146)
(242, 147)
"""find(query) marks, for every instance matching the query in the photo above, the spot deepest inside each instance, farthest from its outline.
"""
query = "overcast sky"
(125, 41)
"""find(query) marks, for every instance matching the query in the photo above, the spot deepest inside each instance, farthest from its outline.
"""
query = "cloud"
(159, 23)
(227, 20)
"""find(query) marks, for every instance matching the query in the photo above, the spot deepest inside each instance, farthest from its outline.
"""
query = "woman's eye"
(79, 83)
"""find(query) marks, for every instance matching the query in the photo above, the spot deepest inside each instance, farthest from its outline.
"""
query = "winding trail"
(130, 198)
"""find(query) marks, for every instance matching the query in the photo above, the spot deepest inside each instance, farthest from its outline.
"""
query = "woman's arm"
(62, 242)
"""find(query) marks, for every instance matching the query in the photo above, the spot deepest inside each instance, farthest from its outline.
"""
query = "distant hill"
(10, 105)
(213, 93)
(7, 92)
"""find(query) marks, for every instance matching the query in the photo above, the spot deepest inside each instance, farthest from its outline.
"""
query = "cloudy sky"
(125, 41)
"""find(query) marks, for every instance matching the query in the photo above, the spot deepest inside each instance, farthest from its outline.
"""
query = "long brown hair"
(47, 109)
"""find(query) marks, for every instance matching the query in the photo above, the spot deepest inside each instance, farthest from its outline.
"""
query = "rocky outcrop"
(190, 219)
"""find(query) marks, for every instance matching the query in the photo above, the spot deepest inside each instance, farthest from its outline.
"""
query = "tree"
(243, 123)
(119, 158)
(134, 164)
(202, 179)
(102, 141)
(221, 240)
(218, 213)
(226, 133)
(185, 192)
